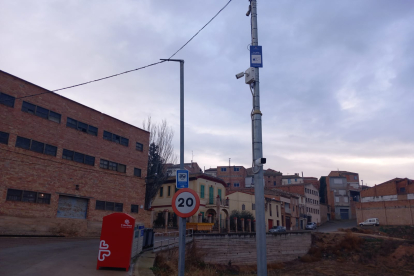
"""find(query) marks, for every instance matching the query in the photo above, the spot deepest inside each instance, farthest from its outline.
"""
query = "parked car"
(277, 229)
(370, 221)
(311, 226)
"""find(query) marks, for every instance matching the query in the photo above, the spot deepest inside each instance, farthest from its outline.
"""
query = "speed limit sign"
(185, 202)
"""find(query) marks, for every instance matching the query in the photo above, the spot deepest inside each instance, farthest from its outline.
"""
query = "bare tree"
(161, 152)
(161, 135)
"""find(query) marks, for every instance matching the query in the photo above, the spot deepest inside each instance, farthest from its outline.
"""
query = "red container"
(116, 241)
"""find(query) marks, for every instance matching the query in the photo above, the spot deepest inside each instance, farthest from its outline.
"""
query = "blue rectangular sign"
(181, 179)
(256, 59)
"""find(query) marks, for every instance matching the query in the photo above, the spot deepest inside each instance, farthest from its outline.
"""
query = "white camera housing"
(240, 75)
(250, 75)
(260, 161)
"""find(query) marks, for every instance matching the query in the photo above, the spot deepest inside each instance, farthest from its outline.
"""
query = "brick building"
(234, 176)
(271, 178)
(64, 166)
(312, 180)
(392, 202)
(340, 190)
(190, 167)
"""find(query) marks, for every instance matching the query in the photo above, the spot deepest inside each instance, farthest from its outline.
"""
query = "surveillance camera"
(260, 161)
(240, 75)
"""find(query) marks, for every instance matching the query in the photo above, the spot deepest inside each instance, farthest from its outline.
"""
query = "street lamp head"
(240, 75)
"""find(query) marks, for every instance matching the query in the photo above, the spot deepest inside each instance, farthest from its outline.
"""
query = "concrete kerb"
(144, 263)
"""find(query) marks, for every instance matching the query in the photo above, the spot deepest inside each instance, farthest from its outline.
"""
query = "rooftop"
(58, 95)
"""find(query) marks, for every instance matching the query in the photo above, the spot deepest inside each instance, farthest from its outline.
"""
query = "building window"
(41, 112)
(115, 138)
(402, 190)
(223, 169)
(23, 143)
(119, 207)
(277, 210)
(253, 206)
(169, 191)
(161, 191)
(219, 193)
(270, 209)
(274, 183)
(35, 146)
(109, 165)
(4, 138)
(202, 191)
(355, 177)
(211, 195)
(7, 100)
(109, 206)
(78, 157)
(346, 199)
(337, 199)
(72, 123)
(139, 146)
(288, 181)
(134, 208)
(100, 205)
(236, 169)
(243, 207)
(137, 172)
(27, 196)
(236, 184)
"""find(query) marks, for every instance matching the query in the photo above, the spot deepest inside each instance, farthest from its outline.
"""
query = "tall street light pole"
(182, 221)
(258, 155)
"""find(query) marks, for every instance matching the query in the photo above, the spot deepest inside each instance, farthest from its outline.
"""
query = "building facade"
(392, 202)
(311, 195)
(64, 166)
(208, 189)
(292, 179)
(190, 167)
(340, 191)
(233, 176)
(245, 201)
(211, 172)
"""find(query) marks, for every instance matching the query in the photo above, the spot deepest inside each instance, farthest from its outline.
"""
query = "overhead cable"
(136, 69)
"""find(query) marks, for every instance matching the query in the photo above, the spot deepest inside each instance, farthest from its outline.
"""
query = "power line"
(129, 71)
(202, 28)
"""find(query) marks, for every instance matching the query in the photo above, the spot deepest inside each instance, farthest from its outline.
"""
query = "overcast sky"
(336, 87)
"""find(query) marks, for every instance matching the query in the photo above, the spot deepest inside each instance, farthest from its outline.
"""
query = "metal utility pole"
(257, 155)
(182, 221)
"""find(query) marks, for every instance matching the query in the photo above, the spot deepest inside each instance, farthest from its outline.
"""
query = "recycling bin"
(121, 240)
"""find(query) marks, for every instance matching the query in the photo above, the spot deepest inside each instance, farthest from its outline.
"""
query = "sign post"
(256, 59)
(185, 203)
(181, 179)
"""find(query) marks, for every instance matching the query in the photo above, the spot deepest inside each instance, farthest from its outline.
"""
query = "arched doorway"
(213, 214)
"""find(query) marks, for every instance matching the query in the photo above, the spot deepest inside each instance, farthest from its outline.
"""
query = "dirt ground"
(351, 253)
(402, 232)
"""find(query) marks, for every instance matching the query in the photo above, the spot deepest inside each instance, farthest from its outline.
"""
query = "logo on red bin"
(126, 225)
(103, 251)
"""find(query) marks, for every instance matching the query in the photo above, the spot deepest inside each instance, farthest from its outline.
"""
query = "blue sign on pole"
(256, 59)
(181, 179)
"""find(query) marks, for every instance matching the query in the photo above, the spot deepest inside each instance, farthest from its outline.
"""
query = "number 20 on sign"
(185, 202)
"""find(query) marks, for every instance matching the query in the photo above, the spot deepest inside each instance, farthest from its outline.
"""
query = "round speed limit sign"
(185, 202)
